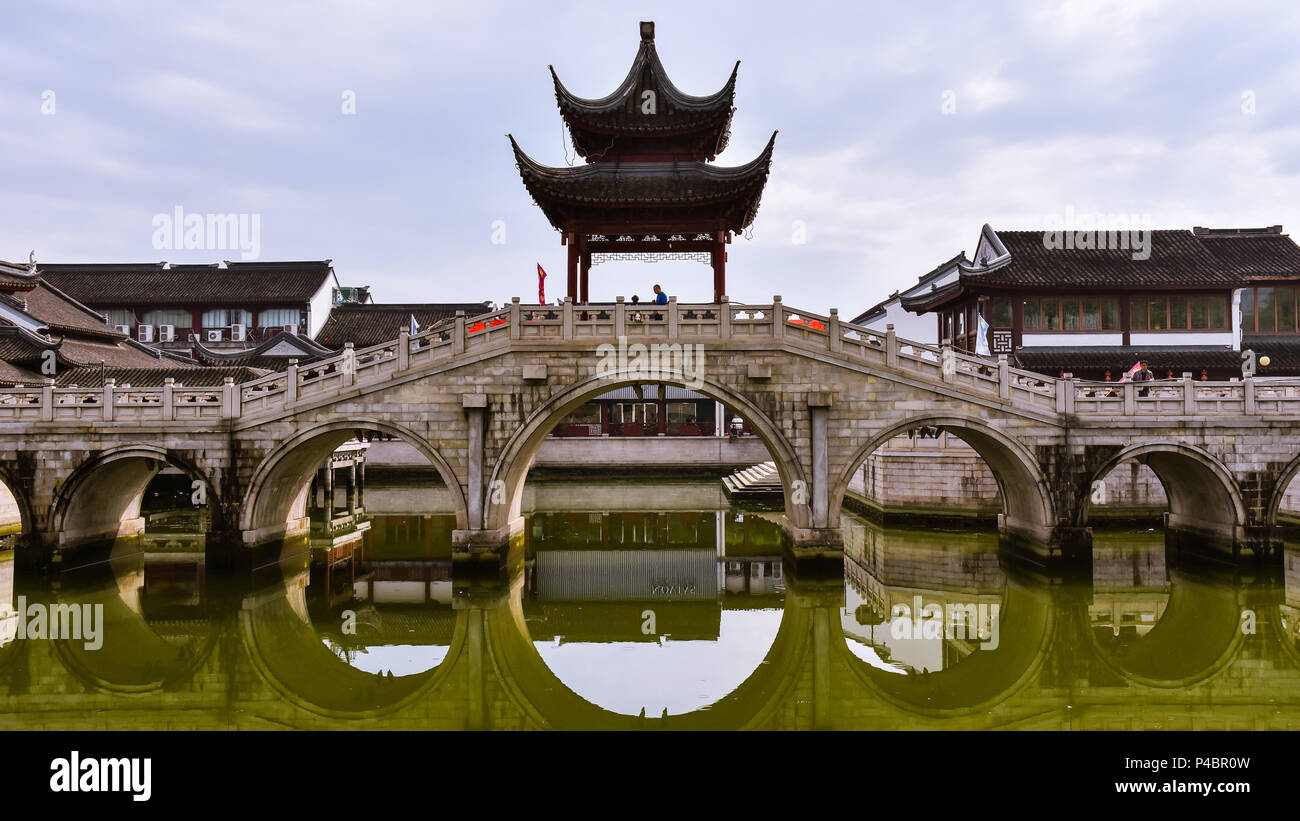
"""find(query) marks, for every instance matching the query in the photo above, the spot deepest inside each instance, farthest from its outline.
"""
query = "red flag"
(541, 285)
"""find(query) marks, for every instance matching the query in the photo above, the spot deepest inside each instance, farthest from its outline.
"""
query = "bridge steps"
(757, 482)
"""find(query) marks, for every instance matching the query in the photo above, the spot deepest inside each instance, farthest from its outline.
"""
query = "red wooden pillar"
(573, 269)
(719, 259)
(585, 267)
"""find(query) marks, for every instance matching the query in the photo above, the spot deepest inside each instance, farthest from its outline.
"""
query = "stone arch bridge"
(477, 397)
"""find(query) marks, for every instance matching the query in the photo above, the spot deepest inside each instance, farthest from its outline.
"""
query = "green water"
(633, 619)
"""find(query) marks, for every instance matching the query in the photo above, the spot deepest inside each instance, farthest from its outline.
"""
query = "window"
(1109, 314)
(1001, 313)
(1266, 309)
(1070, 319)
(225, 317)
(588, 414)
(1179, 312)
(1269, 309)
(1137, 309)
(1157, 313)
(1286, 309)
(168, 316)
(1033, 320)
(120, 316)
(1072, 314)
(1051, 313)
(961, 323)
(644, 412)
(279, 317)
(679, 413)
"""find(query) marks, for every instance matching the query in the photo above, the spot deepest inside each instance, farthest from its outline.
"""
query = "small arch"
(280, 482)
(1026, 500)
(108, 489)
(1279, 492)
(1201, 492)
(518, 454)
(11, 484)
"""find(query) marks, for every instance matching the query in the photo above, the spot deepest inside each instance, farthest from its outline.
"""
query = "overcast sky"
(1182, 112)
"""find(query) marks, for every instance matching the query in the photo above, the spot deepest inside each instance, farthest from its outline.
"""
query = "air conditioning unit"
(126, 329)
(237, 333)
(166, 333)
(215, 336)
(144, 333)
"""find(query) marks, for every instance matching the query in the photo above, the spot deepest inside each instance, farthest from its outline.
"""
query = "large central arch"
(518, 454)
(279, 486)
(1026, 501)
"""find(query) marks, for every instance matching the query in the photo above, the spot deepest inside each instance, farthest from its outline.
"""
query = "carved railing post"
(404, 348)
(620, 317)
(778, 318)
(672, 317)
(169, 399)
(1248, 393)
(1189, 394)
(458, 334)
(229, 399)
(1065, 394)
(1130, 398)
(724, 318)
(107, 400)
(349, 364)
(1004, 377)
(516, 316)
(47, 401)
(566, 329)
(891, 346)
(291, 382)
(833, 331)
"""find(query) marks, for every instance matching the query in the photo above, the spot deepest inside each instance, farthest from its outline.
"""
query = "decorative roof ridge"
(527, 163)
(308, 346)
(646, 57)
(1237, 233)
(9, 329)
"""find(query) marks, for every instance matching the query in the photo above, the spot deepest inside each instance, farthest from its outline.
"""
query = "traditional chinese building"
(235, 306)
(1191, 301)
(647, 188)
(46, 334)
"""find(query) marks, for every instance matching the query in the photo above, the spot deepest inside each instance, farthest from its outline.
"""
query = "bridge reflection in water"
(678, 620)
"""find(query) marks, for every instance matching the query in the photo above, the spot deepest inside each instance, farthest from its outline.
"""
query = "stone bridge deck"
(478, 397)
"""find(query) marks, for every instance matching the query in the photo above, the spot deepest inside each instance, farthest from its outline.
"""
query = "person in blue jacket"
(660, 297)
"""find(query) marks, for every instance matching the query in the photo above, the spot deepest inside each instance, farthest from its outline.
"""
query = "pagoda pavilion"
(647, 189)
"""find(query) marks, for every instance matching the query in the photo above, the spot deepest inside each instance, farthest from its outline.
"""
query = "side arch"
(1026, 501)
(15, 486)
(518, 454)
(1284, 480)
(101, 499)
(1203, 495)
(279, 483)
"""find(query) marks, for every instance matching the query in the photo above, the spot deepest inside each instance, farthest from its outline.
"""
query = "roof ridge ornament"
(648, 31)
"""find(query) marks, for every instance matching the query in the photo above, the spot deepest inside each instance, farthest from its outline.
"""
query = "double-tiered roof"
(648, 186)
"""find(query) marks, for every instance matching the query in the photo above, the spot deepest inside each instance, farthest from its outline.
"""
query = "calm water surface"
(624, 618)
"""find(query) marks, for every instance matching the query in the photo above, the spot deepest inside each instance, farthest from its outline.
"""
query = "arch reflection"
(938, 621)
(653, 613)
